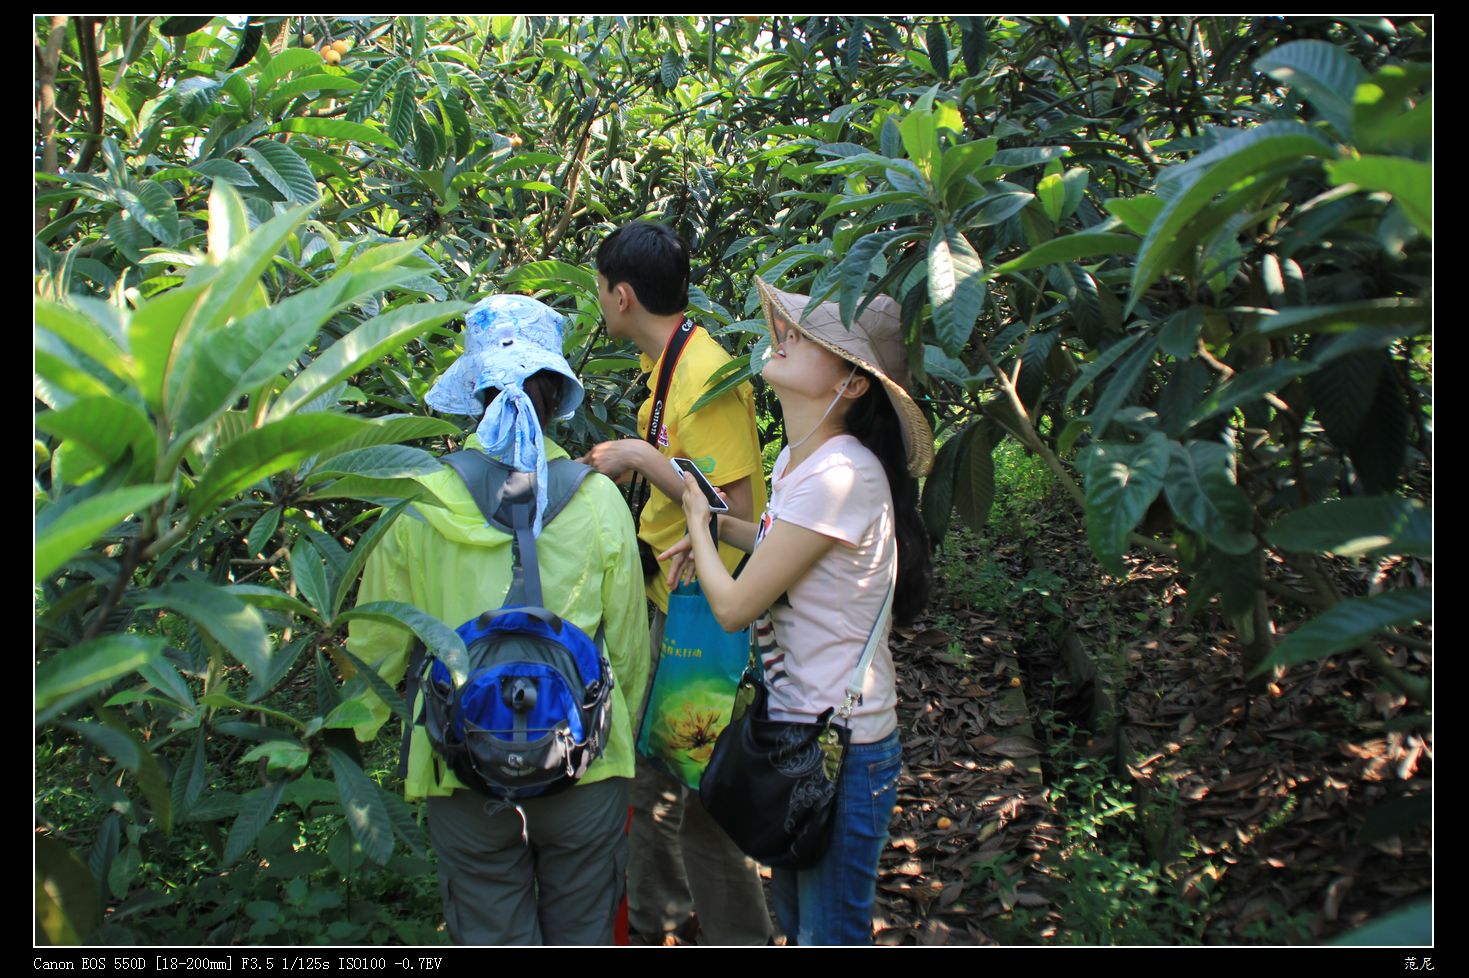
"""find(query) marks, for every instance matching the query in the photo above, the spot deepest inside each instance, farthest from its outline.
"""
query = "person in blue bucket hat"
(547, 870)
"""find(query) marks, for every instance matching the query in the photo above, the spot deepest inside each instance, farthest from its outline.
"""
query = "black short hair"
(653, 259)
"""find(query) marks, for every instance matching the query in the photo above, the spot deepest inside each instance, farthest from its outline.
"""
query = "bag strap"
(415, 669)
(507, 500)
(859, 675)
(672, 353)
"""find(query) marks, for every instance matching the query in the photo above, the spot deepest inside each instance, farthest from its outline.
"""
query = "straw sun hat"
(874, 343)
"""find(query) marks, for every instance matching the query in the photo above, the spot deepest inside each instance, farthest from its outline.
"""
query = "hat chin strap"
(510, 432)
(822, 420)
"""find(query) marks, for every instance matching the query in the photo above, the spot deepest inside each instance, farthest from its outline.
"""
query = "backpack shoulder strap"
(485, 479)
(564, 477)
(507, 500)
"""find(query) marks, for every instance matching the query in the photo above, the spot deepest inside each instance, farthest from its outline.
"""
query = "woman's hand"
(695, 506)
(681, 571)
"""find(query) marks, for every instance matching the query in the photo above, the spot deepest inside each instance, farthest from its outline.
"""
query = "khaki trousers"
(680, 860)
(560, 883)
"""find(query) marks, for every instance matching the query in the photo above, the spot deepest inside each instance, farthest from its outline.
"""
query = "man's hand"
(617, 460)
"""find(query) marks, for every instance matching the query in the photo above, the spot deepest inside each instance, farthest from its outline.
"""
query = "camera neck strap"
(672, 353)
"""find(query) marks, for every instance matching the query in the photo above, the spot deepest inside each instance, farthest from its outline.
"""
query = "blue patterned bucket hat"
(508, 338)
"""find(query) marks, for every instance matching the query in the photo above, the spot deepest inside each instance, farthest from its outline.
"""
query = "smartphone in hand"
(716, 503)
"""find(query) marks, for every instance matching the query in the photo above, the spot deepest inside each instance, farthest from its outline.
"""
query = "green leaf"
(282, 757)
(347, 714)
(920, 134)
(1179, 336)
(309, 574)
(405, 825)
(81, 525)
(956, 287)
(555, 275)
(376, 88)
(151, 332)
(1051, 192)
(440, 639)
(974, 482)
(1024, 156)
(220, 615)
(1322, 74)
(1384, 313)
(1191, 186)
(1349, 624)
(229, 225)
(378, 685)
(738, 371)
(82, 333)
(1409, 181)
(262, 531)
(854, 269)
(1121, 386)
(1121, 483)
(367, 816)
(129, 750)
(66, 894)
(282, 64)
(228, 171)
(106, 427)
(239, 272)
(284, 169)
(264, 451)
(76, 671)
(404, 109)
(154, 210)
(1342, 394)
(181, 26)
(1070, 247)
(365, 344)
(363, 548)
(272, 599)
(1105, 359)
(1073, 183)
(255, 809)
(381, 492)
(938, 490)
(670, 68)
(1360, 526)
(341, 129)
(312, 83)
(1250, 386)
(994, 209)
(937, 43)
(280, 664)
(1136, 213)
(166, 679)
(189, 778)
(1202, 491)
(380, 462)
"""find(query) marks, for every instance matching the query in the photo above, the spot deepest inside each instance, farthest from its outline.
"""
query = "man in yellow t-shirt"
(680, 861)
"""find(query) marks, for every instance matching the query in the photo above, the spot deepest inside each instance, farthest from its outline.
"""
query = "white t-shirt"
(840, 491)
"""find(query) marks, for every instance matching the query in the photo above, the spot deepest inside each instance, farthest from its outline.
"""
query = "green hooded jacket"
(447, 562)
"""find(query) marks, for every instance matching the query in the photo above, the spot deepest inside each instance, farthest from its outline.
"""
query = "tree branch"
(47, 61)
(87, 49)
(1030, 436)
(572, 183)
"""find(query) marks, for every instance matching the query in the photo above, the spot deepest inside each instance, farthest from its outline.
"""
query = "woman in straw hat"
(841, 534)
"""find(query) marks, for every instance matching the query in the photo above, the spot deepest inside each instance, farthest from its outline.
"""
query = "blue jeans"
(831, 903)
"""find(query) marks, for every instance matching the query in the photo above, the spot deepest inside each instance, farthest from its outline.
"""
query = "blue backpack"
(534, 710)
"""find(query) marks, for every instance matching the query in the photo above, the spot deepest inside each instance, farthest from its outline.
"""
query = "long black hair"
(873, 422)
